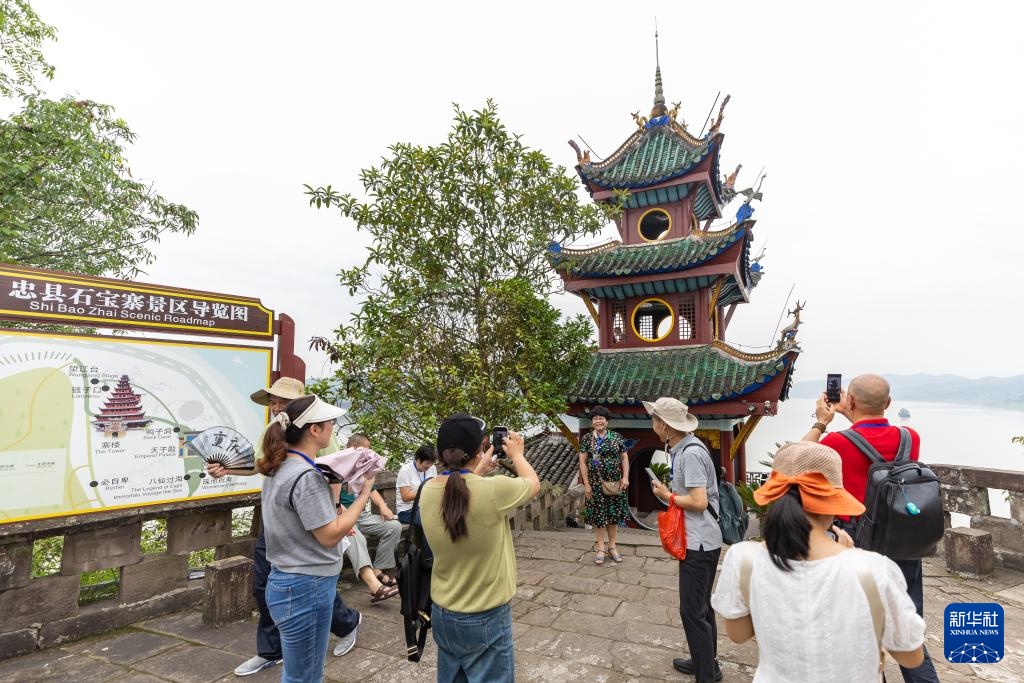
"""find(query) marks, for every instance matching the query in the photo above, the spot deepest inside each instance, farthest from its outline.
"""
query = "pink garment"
(353, 465)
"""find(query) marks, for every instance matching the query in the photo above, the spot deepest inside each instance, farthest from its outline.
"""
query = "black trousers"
(268, 639)
(913, 574)
(696, 576)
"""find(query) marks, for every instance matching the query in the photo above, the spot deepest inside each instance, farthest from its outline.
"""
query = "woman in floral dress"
(603, 458)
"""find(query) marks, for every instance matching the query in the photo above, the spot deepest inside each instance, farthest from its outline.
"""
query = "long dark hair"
(455, 501)
(277, 438)
(787, 531)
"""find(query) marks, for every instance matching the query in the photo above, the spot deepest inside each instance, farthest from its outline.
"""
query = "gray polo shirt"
(692, 467)
(291, 545)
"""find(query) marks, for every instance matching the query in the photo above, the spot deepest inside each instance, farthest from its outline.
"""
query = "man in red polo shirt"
(864, 404)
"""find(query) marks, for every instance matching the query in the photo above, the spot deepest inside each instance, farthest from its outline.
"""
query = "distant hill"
(1007, 392)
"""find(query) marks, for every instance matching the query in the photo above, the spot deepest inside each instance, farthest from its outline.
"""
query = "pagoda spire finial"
(659, 108)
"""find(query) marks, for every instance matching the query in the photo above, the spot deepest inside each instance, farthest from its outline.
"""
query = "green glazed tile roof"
(693, 374)
(647, 158)
(653, 257)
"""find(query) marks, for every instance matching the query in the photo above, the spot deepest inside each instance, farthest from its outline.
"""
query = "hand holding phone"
(498, 435)
(834, 388)
(652, 475)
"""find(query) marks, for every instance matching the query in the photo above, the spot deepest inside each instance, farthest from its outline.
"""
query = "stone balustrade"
(991, 541)
(45, 612)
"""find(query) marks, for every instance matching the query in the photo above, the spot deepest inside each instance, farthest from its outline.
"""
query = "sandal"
(383, 593)
(387, 580)
(614, 554)
(599, 557)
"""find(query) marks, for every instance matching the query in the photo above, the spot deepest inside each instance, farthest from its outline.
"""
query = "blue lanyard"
(874, 424)
(459, 471)
(304, 457)
(423, 477)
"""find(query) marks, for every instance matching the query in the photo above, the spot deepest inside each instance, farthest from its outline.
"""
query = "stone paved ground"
(574, 621)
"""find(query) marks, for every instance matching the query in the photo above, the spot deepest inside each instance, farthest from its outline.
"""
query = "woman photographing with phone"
(604, 471)
(464, 518)
(304, 532)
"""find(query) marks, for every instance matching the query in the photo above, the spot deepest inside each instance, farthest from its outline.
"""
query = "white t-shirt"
(814, 623)
(410, 476)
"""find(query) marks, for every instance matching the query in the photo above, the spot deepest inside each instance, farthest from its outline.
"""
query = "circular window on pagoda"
(654, 224)
(652, 320)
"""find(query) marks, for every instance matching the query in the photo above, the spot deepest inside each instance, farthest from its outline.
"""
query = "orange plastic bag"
(672, 529)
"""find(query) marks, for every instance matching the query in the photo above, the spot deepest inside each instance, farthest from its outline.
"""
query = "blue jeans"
(474, 647)
(405, 516)
(268, 641)
(301, 606)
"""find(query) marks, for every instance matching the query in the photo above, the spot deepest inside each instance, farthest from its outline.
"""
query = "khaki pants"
(388, 534)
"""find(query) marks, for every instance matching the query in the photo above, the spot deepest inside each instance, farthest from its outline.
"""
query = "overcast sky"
(890, 133)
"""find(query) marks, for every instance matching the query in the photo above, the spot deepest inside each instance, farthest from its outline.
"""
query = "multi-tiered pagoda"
(663, 295)
(121, 411)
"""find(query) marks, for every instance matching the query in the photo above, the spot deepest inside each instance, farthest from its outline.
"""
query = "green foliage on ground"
(68, 200)
(454, 293)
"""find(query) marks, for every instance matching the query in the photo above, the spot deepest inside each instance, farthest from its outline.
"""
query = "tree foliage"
(22, 33)
(68, 200)
(454, 313)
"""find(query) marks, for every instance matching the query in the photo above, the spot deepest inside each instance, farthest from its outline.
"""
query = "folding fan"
(224, 446)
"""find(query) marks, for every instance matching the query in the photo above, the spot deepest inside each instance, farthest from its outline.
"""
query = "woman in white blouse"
(820, 608)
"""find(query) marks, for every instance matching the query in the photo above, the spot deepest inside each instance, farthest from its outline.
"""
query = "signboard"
(38, 295)
(94, 423)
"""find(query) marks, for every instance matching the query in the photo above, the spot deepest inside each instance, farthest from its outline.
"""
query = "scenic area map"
(91, 423)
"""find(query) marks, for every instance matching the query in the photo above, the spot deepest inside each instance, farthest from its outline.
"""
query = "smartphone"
(833, 388)
(498, 435)
(652, 475)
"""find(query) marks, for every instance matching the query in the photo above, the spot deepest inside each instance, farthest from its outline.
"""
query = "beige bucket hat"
(672, 412)
(287, 388)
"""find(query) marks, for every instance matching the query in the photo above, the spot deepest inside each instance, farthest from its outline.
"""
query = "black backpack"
(903, 505)
(414, 571)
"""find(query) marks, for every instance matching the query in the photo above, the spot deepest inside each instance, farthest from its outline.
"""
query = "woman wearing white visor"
(304, 533)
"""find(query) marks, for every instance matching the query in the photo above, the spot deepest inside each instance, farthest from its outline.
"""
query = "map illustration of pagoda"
(663, 295)
(121, 411)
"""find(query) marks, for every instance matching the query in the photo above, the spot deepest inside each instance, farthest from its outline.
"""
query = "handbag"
(611, 488)
(672, 529)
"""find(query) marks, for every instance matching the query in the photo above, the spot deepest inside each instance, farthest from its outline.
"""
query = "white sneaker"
(346, 643)
(255, 665)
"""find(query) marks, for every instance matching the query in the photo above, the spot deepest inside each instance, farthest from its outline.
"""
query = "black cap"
(462, 431)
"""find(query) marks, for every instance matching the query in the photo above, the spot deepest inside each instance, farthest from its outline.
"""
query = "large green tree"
(68, 200)
(454, 313)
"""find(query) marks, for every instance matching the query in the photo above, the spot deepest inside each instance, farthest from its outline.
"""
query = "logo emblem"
(974, 633)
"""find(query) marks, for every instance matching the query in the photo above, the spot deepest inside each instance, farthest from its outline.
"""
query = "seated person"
(410, 478)
(384, 527)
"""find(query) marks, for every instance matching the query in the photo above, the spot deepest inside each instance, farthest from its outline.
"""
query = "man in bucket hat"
(344, 620)
(694, 489)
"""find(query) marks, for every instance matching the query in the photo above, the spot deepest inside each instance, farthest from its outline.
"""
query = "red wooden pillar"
(288, 364)
(726, 447)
